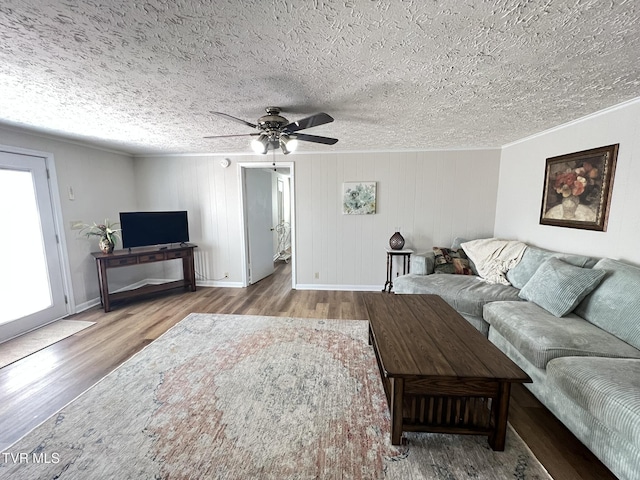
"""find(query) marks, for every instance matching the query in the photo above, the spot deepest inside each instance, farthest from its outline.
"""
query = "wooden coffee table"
(440, 374)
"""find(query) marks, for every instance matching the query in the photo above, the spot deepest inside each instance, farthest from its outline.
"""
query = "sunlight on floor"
(32, 368)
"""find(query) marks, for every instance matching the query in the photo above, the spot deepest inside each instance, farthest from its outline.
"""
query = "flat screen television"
(141, 229)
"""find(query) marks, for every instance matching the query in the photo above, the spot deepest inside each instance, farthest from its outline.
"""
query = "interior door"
(258, 201)
(31, 280)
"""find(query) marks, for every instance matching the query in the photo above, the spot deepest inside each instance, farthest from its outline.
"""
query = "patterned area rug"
(247, 397)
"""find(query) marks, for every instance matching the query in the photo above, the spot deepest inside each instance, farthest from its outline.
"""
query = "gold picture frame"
(577, 189)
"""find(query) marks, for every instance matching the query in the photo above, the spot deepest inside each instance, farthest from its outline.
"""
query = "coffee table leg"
(397, 400)
(500, 413)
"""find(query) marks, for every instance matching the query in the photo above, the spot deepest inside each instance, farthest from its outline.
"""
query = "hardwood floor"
(37, 386)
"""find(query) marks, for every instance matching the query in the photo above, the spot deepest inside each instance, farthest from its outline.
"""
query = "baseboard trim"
(81, 307)
(352, 288)
(218, 283)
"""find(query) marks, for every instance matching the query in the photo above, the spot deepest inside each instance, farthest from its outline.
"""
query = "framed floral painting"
(359, 198)
(577, 189)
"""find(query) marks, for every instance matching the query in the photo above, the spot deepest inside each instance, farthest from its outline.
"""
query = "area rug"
(24, 345)
(249, 397)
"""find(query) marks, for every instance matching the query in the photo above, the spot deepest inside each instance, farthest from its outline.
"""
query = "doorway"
(268, 214)
(32, 279)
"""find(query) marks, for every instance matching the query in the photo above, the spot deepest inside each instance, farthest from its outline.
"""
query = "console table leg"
(103, 285)
(189, 271)
(396, 407)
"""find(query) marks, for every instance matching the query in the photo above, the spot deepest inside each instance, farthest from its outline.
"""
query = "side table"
(406, 265)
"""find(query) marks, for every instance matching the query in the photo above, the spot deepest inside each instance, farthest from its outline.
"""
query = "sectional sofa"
(572, 322)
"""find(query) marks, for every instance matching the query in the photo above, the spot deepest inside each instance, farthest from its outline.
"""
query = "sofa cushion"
(607, 388)
(449, 260)
(423, 263)
(558, 287)
(615, 305)
(533, 257)
(466, 293)
(540, 336)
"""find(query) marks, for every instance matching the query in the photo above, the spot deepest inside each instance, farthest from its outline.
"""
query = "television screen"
(153, 228)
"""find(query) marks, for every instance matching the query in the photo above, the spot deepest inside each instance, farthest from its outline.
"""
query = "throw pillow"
(448, 260)
(559, 287)
(494, 257)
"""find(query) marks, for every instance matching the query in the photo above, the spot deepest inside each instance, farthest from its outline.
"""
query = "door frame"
(244, 238)
(58, 221)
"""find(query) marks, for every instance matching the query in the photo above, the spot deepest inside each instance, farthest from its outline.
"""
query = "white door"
(259, 217)
(31, 280)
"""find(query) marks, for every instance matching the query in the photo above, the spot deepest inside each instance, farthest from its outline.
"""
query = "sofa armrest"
(423, 263)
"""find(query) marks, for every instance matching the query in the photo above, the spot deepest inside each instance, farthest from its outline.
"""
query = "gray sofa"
(585, 364)
(466, 293)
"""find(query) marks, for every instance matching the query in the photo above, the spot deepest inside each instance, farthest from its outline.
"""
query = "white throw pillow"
(494, 257)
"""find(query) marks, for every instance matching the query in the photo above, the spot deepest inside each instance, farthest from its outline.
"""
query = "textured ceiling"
(142, 77)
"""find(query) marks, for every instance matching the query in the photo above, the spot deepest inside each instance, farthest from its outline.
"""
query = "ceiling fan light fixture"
(288, 144)
(260, 144)
(275, 131)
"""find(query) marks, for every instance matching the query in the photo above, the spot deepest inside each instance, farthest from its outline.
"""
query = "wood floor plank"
(34, 388)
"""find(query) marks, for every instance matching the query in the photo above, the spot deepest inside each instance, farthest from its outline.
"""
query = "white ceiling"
(142, 77)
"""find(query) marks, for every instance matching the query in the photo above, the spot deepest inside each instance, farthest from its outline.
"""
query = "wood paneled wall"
(431, 196)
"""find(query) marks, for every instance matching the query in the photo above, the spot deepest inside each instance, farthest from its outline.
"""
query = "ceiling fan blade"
(308, 122)
(234, 119)
(315, 138)
(239, 135)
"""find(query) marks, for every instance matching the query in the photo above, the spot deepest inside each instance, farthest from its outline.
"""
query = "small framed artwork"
(577, 189)
(359, 198)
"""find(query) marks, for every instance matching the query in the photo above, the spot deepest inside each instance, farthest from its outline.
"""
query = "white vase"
(569, 206)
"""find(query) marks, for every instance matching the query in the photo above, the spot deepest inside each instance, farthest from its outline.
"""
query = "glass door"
(31, 280)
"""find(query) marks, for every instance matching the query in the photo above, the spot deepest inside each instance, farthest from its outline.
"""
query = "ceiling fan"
(275, 131)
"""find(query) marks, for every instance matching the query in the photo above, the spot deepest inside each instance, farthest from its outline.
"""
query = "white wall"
(210, 194)
(103, 184)
(433, 196)
(522, 169)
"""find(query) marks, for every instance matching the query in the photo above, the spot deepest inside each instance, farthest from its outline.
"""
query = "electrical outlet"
(316, 275)
(226, 274)
(76, 224)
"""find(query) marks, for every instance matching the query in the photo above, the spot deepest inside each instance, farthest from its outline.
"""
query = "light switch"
(72, 196)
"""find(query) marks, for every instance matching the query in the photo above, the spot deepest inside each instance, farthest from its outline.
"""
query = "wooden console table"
(124, 258)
